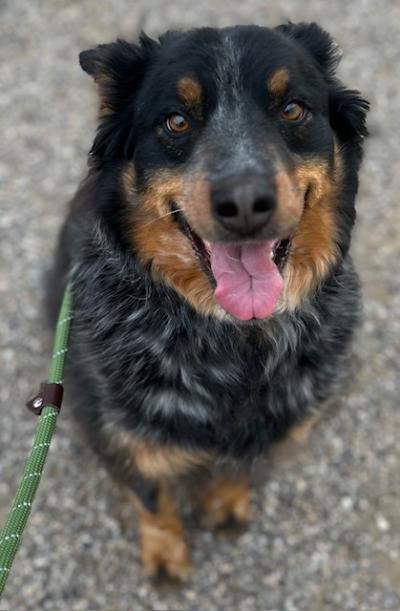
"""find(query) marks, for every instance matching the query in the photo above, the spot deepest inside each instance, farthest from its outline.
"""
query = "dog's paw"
(225, 503)
(163, 550)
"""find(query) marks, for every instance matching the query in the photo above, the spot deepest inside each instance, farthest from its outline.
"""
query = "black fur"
(141, 357)
(148, 362)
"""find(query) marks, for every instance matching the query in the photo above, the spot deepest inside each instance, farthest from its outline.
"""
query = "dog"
(214, 297)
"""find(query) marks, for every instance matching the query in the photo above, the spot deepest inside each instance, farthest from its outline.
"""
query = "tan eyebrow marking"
(190, 91)
(278, 82)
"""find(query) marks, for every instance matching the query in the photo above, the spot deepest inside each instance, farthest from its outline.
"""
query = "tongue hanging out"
(248, 281)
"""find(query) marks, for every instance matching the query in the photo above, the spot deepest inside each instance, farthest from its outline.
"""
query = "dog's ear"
(348, 113)
(347, 108)
(118, 69)
(317, 42)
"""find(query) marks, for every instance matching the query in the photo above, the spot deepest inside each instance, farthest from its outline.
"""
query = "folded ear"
(348, 113)
(317, 42)
(118, 69)
(347, 108)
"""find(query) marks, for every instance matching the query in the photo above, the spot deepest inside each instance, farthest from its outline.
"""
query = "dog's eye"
(294, 111)
(177, 123)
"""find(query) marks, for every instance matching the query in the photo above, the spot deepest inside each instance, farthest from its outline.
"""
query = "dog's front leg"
(162, 541)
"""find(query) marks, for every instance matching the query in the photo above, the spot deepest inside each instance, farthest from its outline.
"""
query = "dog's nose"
(244, 206)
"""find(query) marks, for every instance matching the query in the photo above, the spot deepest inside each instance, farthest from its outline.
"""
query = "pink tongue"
(248, 281)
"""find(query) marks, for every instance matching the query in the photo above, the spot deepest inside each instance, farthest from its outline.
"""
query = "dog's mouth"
(247, 276)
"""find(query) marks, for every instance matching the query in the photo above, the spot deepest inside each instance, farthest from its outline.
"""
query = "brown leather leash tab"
(49, 394)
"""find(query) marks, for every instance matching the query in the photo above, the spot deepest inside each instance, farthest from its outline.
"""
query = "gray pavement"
(326, 530)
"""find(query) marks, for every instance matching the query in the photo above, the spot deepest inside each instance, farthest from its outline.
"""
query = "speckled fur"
(144, 362)
(151, 364)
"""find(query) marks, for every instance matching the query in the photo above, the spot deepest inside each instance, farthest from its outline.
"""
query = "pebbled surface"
(326, 529)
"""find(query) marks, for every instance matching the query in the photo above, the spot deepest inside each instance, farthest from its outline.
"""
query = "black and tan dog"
(214, 297)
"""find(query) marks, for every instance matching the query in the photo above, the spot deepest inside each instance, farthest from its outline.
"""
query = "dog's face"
(237, 153)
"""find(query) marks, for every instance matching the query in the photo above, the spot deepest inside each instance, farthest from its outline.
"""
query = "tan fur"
(223, 499)
(314, 249)
(162, 541)
(278, 82)
(161, 244)
(290, 203)
(153, 460)
(300, 434)
(190, 92)
(314, 175)
(197, 204)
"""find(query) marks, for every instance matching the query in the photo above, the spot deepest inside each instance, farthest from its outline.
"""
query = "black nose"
(244, 206)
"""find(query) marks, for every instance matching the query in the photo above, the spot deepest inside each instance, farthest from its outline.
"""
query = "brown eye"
(294, 111)
(177, 123)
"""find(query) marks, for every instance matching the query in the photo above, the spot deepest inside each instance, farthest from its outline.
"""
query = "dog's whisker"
(159, 218)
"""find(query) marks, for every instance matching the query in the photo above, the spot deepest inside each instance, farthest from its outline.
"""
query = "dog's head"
(236, 152)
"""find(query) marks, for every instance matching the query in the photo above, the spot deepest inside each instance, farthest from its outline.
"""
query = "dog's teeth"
(271, 254)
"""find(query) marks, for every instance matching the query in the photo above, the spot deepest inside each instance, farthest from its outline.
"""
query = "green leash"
(47, 404)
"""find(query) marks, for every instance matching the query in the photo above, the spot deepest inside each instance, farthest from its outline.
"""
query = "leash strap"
(47, 405)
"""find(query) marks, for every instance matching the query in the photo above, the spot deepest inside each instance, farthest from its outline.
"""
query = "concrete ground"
(326, 531)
